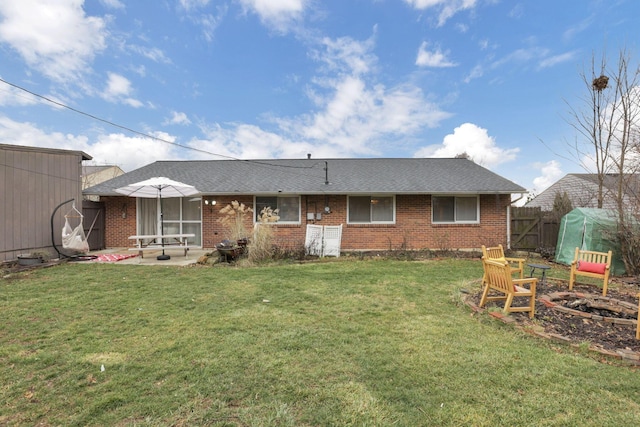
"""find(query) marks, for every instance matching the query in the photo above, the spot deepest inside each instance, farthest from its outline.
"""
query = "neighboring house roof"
(92, 169)
(308, 176)
(93, 175)
(582, 190)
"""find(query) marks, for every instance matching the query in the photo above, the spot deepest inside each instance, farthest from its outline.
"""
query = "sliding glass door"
(181, 216)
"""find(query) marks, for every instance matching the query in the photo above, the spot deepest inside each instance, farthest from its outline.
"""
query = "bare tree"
(608, 124)
(626, 108)
(593, 125)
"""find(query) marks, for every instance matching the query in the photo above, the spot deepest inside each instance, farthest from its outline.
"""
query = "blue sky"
(247, 79)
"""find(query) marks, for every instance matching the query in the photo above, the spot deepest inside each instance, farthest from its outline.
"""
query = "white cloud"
(56, 38)
(119, 90)
(195, 10)
(249, 142)
(557, 59)
(346, 55)
(177, 118)
(582, 26)
(117, 86)
(521, 56)
(354, 120)
(279, 15)
(447, 8)
(24, 133)
(354, 115)
(127, 152)
(435, 58)
(517, 11)
(463, 28)
(193, 4)
(133, 152)
(366, 119)
(475, 73)
(113, 4)
(473, 140)
(210, 22)
(153, 53)
(550, 173)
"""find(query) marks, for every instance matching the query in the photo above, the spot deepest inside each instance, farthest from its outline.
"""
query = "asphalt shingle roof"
(307, 176)
(582, 190)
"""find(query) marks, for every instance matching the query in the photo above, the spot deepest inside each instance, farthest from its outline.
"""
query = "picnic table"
(144, 242)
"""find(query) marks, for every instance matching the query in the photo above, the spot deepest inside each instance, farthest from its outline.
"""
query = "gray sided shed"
(34, 181)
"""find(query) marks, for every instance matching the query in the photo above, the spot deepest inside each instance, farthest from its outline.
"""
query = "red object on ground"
(114, 257)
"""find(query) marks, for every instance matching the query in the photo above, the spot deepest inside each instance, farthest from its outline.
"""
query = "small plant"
(443, 242)
(233, 219)
(584, 347)
(43, 255)
(546, 252)
(294, 252)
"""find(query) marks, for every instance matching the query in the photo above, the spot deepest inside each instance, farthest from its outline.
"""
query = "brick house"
(382, 204)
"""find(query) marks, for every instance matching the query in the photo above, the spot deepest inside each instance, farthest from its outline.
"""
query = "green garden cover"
(589, 229)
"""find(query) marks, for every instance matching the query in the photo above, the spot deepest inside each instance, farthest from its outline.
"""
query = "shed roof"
(322, 176)
(29, 148)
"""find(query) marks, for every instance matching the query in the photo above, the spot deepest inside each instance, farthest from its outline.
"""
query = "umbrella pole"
(162, 257)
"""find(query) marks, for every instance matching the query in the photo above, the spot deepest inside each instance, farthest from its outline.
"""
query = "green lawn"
(339, 343)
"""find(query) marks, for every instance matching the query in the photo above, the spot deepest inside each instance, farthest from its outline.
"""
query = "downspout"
(509, 227)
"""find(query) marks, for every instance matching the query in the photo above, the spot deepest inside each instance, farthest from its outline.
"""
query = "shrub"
(261, 247)
(546, 252)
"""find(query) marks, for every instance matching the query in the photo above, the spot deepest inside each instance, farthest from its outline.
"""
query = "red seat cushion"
(591, 267)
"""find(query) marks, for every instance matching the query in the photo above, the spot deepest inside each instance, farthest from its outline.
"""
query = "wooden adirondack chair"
(499, 279)
(516, 265)
(591, 264)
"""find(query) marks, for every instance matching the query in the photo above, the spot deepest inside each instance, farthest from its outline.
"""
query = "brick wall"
(413, 228)
(120, 222)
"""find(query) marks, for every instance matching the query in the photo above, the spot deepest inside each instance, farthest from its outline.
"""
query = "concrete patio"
(150, 257)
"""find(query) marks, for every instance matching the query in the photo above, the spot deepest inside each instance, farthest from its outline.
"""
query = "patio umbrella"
(158, 187)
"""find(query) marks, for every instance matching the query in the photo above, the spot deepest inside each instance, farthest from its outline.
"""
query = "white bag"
(74, 238)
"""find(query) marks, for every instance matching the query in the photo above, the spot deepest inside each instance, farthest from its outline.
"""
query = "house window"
(455, 209)
(371, 209)
(288, 207)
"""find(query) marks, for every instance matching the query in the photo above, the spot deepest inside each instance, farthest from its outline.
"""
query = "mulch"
(599, 334)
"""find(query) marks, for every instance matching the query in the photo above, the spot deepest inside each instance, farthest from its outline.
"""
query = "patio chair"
(499, 279)
(591, 264)
(516, 265)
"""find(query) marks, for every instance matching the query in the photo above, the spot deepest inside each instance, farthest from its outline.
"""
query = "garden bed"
(600, 327)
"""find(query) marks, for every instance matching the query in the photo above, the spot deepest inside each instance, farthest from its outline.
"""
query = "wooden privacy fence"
(531, 228)
(94, 224)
